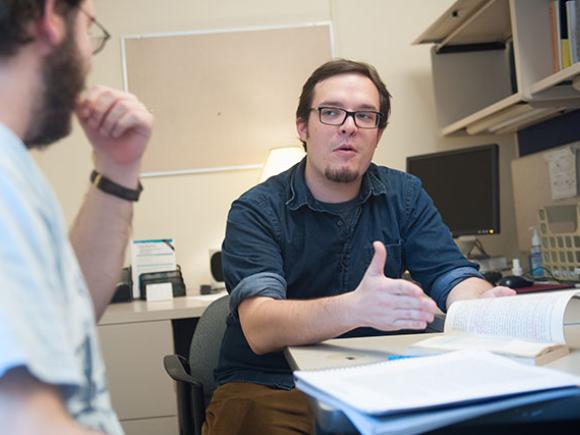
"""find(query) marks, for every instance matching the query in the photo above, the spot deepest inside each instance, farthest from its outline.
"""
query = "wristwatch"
(108, 186)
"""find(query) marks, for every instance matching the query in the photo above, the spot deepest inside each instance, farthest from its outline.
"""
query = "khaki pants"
(240, 408)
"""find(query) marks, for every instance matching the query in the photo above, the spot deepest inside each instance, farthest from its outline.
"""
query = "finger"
(85, 102)
(99, 109)
(499, 291)
(415, 315)
(96, 104)
(410, 324)
(131, 121)
(377, 266)
(403, 302)
(402, 287)
(83, 109)
(118, 110)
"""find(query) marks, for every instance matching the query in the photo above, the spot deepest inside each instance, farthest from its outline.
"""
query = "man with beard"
(318, 252)
(51, 372)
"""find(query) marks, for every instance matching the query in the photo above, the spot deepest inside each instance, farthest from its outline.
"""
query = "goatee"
(340, 175)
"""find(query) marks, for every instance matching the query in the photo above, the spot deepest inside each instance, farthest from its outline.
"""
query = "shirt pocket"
(394, 265)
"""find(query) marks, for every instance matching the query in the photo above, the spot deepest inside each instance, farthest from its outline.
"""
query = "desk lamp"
(280, 159)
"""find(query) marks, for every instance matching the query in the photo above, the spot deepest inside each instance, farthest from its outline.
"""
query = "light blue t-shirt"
(47, 322)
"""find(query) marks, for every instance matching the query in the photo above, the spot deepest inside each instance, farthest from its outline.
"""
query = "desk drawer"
(133, 354)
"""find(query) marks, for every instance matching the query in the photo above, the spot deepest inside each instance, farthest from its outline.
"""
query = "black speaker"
(124, 288)
(215, 266)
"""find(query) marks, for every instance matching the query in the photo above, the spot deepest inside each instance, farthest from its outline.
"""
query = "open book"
(534, 329)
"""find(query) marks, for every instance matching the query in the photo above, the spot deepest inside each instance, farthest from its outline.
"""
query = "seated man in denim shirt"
(318, 251)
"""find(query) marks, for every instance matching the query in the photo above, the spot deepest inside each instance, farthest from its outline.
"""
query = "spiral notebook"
(429, 383)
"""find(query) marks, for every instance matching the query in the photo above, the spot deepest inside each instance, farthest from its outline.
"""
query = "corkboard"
(222, 98)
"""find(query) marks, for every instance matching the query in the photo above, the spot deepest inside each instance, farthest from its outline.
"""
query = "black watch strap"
(108, 186)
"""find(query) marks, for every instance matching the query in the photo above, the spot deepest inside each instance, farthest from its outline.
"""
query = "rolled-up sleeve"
(445, 283)
(251, 255)
(261, 284)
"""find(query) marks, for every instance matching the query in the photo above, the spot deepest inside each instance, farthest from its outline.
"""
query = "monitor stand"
(466, 244)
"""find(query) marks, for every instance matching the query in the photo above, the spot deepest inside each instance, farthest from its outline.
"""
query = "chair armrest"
(190, 399)
(178, 369)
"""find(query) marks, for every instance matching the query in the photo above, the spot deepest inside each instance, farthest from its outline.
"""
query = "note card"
(562, 167)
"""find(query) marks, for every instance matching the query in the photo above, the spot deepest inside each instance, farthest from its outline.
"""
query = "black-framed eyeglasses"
(99, 35)
(337, 116)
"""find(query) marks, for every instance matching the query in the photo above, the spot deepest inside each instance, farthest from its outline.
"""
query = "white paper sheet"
(562, 169)
(147, 256)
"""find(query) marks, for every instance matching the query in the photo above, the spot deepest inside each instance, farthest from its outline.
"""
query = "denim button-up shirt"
(282, 244)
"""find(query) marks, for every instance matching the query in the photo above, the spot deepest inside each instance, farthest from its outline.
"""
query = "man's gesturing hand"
(390, 304)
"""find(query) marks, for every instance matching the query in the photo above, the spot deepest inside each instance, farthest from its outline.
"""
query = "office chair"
(194, 379)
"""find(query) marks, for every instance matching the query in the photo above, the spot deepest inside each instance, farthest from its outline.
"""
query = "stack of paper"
(419, 394)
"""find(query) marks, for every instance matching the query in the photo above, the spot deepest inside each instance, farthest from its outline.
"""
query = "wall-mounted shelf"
(557, 79)
(492, 67)
(490, 23)
(449, 21)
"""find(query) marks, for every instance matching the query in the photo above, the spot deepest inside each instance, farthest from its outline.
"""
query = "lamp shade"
(280, 159)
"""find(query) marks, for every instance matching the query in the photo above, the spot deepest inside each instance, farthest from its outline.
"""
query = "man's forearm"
(470, 288)
(118, 126)
(270, 325)
(28, 406)
(99, 237)
(377, 302)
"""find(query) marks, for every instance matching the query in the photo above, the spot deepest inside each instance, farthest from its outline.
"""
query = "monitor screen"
(464, 185)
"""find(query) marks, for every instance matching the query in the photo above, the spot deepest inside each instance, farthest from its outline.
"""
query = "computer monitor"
(464, 185)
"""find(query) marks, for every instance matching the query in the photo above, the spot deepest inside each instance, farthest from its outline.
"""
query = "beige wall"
(192, 209)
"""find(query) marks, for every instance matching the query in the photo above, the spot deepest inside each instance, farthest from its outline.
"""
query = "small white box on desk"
(159, 292)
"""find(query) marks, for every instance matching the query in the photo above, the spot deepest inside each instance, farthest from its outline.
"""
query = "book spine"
(572, 30)
(577, 31)
(564, 41)
(555, 36)
(571, 10)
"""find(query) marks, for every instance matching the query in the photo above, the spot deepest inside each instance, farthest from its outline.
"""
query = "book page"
(572, 323)
(500, 345)
(535, 317)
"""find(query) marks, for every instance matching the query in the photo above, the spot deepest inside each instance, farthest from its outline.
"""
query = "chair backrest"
(206, 342)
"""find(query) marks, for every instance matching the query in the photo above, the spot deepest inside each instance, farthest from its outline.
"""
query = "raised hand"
(118, 126)
(390, 304)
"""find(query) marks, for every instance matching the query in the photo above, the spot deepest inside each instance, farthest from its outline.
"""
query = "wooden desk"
(134, 337)
(366, 350)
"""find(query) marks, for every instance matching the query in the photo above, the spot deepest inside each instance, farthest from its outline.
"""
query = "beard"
(63, 79)
(341, 175)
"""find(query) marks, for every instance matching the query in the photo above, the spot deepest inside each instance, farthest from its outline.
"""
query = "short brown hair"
(15, 16)
(337, 67)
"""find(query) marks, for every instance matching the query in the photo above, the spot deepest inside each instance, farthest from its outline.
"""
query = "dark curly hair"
(337, 67)
(16, 15)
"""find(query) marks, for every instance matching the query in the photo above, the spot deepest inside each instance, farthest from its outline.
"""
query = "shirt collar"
(299, 195)
(9, 137)
(12, 148)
